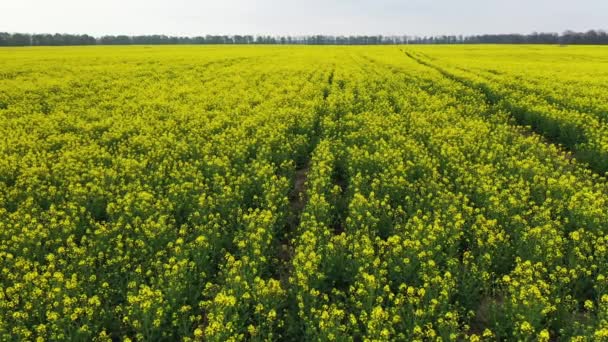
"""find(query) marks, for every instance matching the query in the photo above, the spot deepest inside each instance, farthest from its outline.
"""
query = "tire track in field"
(298, 195)
(279, 245)
(493, 101)
(300, 212)
(550, 99)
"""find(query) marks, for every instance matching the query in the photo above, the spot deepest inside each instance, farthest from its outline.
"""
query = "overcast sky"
(275, 17)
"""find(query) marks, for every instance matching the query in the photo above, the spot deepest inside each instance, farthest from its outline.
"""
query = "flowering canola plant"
(303, 193)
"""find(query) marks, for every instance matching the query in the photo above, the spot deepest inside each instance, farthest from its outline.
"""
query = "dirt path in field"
(297, 202)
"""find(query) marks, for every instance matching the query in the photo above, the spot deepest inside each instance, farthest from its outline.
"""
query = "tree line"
(592, 37)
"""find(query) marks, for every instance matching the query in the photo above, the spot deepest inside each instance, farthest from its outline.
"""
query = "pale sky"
(291, 17)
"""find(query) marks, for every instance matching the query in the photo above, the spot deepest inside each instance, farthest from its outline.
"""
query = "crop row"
(576, 119)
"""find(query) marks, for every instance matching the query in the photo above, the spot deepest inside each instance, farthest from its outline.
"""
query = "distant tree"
(42, 39)
(20, 39)
(123, 40)
(116, 40)
(568, 37)
(4, 38)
